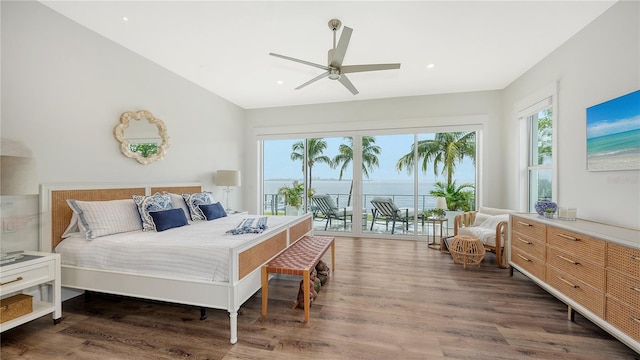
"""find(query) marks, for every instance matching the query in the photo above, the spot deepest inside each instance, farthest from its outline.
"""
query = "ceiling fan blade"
(323, 75)
(345, 81)
(370, 67)
(341, 48)
(300, 61)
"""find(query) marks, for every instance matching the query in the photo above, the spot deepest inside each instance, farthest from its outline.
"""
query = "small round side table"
(466, 250)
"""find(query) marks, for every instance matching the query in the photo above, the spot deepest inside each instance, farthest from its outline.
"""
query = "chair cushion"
(404, 213)
(486, 231)
(487, 236)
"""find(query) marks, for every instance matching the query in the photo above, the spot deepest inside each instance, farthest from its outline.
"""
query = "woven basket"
(466, 250)
(15, 306)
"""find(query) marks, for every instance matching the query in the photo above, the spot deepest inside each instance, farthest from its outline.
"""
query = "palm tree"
(315, 148)
(446, 150)
(457, 197)
(370, 152)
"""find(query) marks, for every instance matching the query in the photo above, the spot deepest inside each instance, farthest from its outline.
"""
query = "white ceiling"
(224, 46)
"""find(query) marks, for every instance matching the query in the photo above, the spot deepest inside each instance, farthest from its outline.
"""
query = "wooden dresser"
(593, 268)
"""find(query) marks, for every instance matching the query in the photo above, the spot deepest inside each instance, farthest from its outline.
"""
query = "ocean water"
(400, 191)
(627, 142)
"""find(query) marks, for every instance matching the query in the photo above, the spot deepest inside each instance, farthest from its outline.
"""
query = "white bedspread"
(199, 251)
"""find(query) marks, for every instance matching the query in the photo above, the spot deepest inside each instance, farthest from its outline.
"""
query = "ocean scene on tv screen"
(613, 134)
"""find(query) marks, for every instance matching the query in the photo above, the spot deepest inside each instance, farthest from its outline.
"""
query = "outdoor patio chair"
(328, 209)
(384, 208)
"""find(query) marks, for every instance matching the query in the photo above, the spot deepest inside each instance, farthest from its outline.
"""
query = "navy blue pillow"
(168, 219)
(213, 211)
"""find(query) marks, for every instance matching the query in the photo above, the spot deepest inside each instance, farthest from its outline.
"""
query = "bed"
(243, 259)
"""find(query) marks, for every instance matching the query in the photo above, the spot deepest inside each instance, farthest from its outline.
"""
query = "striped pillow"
(101, 218)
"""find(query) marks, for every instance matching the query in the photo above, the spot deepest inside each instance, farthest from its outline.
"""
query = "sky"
(614, 116)
(278, 163)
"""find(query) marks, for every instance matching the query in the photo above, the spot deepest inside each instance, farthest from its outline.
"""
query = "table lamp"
(227, 178)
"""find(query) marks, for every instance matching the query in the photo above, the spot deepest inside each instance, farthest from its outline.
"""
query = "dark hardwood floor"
(386, 300)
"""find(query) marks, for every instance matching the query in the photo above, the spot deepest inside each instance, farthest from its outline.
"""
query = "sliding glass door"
(393, 193)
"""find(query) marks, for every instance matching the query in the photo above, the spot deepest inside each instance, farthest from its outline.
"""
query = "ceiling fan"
(335, 70)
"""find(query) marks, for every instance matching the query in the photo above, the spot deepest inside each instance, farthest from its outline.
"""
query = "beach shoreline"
(614, 162)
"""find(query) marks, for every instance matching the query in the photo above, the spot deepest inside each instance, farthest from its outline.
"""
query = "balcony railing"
(274, 203)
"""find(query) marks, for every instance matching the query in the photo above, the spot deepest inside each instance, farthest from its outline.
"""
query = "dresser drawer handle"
(525, 241)
(524, 258)
(524, 223)
(568, 237)
(567, 282)
(12, 281)
(634, 319)
(633, 288)
(568, 260)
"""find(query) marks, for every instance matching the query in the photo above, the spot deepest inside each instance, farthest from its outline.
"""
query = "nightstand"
(33, 269)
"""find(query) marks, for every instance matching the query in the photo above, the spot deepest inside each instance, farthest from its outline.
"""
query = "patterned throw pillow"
(147, 204)
(193, 200)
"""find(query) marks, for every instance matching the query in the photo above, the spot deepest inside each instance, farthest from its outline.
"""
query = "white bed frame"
(245, 262)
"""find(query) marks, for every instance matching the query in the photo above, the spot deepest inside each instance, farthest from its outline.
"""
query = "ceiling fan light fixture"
(334, 70)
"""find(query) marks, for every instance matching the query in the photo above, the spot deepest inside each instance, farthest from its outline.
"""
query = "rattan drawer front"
(584, 270)
(529, 263)
(585, 295)
(624, 318)
(623, 288)
(582, 246)
(625, 259)
(529, 228)
(529, 245)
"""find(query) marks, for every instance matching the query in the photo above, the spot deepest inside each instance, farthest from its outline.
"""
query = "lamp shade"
(441, 203)
(228, 178)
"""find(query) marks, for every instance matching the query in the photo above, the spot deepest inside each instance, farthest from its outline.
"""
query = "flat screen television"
(613, 134)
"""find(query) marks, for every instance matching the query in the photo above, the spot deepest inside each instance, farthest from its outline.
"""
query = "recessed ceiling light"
(431, 66)
(280, 82)
(125, 19)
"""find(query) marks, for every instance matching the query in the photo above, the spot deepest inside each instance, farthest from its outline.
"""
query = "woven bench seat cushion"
(302, 255)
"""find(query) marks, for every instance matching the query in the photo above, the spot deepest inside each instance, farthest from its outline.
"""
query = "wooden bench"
(298, 259)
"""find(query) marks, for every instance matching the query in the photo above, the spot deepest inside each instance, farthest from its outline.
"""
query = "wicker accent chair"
(489, 225)
(327, 208)
(384, 208)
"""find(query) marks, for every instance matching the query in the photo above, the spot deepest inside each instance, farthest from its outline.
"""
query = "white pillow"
(178, 203)
(493, 221)
(480, 218)
(73, 226)
(100, 218)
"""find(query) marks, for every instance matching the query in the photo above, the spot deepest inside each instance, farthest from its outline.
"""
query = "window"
(538, 121)
(406, 167)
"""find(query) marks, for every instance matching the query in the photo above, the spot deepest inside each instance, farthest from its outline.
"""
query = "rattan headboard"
(61, 212)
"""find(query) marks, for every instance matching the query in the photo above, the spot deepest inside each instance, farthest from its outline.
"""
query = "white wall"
(64, 88)
(599, 63)
(439, 111)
